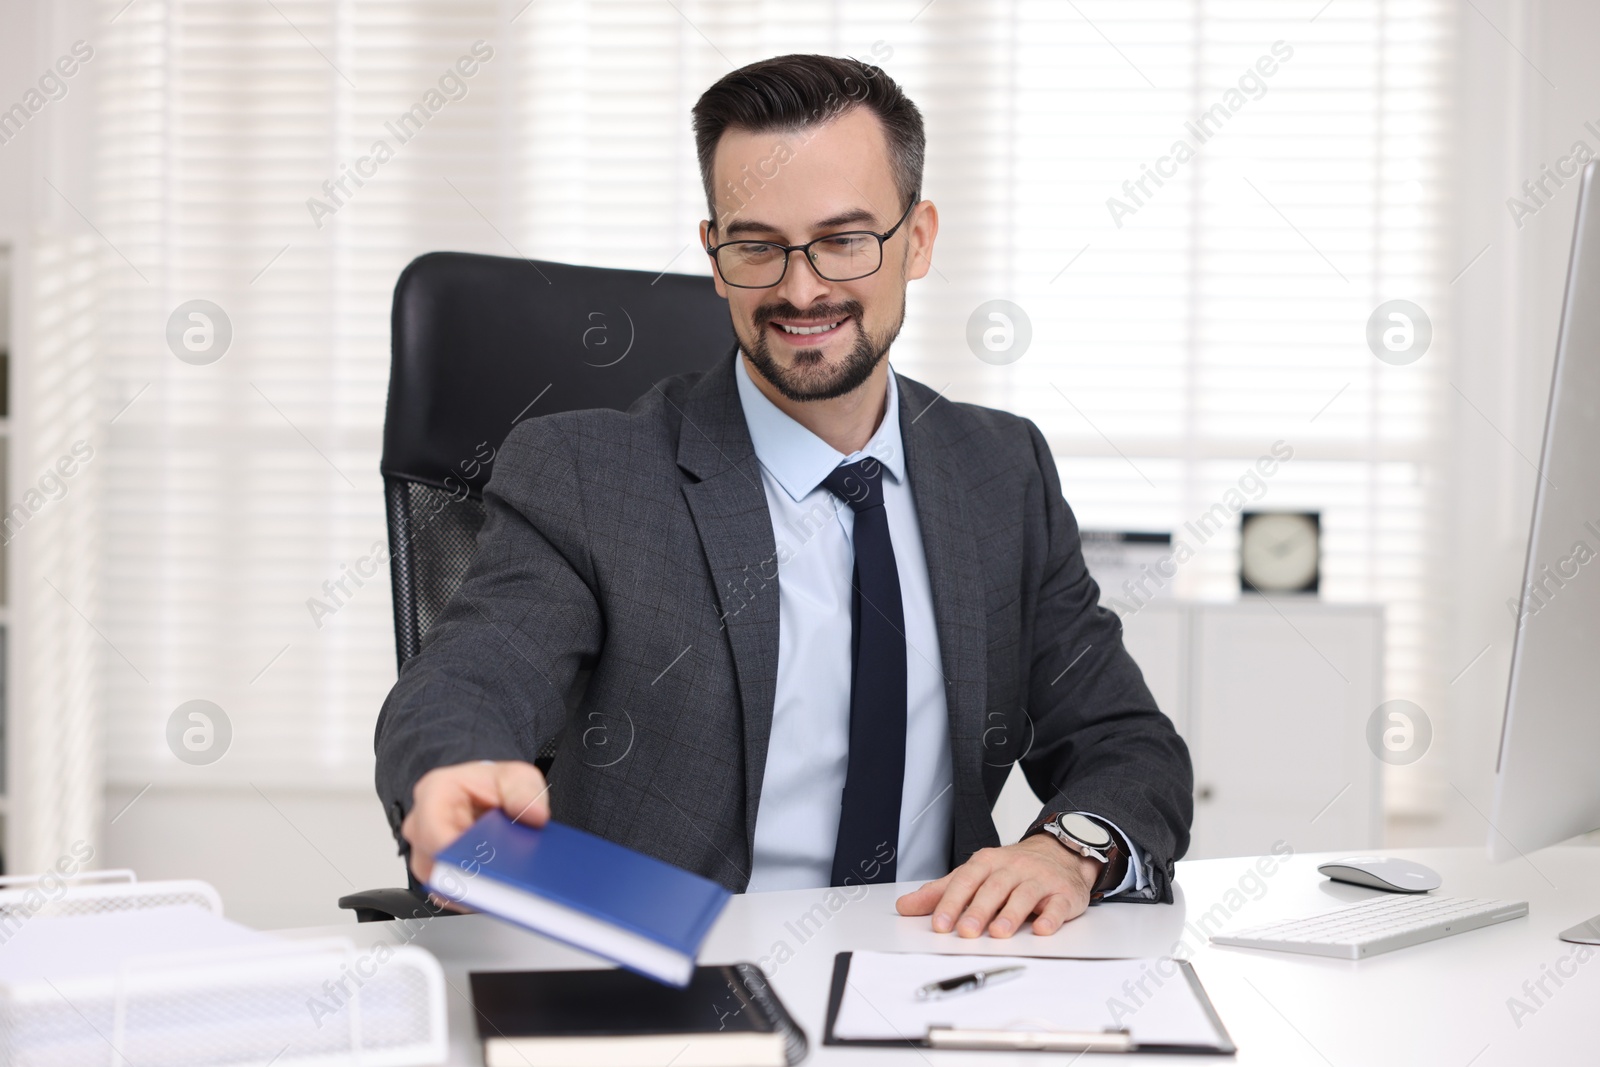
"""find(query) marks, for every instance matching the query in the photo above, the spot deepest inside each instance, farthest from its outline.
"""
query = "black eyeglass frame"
(789, 250)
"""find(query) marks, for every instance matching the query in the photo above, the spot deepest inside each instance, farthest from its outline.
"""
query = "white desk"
(1445, 1002)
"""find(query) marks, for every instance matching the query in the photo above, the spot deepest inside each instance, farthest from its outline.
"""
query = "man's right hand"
(447, 800)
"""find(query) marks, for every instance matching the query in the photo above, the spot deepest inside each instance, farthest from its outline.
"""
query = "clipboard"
(1043, 1040)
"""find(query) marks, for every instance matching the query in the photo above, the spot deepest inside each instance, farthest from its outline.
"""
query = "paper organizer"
(116, 971)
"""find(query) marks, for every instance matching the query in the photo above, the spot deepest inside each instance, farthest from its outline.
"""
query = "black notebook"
(726, 1016)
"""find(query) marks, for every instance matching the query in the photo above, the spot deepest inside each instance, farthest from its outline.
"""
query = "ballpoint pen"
(966, 983)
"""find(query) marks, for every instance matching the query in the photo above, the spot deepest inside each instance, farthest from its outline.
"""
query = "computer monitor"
(1547, 785)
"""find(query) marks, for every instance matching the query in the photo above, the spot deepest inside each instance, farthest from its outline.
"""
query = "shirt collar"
(798, 458)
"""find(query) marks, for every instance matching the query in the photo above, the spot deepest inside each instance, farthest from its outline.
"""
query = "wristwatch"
(1090, 838)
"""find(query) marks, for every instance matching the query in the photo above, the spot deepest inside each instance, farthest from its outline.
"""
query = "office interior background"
(1417, 150)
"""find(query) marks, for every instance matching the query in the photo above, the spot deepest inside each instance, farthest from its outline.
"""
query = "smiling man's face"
(811, 338)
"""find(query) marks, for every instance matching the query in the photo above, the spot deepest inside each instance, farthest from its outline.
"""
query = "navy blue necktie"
(869, 822)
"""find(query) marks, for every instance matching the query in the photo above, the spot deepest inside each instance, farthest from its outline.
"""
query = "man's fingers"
(448, 800)
(1058, 910)
(963, 883)
(523, 792)
(920, 901)
(421, 862)
(422, 831)
(994, 891)
(1021, 904)
(447, 904)
(478, 783)
(442, 811)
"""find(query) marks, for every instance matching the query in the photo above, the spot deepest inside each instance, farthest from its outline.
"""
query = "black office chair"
(478, 344)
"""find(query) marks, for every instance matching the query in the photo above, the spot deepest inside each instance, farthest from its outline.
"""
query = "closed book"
(725, 1017)
(575, 887)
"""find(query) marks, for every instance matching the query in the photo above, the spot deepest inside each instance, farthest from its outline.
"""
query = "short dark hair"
(798, 91)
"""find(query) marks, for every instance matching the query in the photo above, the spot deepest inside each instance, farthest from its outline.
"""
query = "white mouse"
(1382, 872)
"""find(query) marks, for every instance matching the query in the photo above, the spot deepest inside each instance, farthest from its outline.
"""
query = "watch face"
(1278, 552)
(1086, 830)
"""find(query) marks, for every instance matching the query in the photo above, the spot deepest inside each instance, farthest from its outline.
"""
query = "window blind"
(1175, 337)
(53, 532)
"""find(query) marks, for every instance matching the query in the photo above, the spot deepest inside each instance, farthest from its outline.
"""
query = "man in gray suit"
(792, 620)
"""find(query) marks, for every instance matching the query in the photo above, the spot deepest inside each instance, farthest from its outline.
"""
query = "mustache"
(850, 309)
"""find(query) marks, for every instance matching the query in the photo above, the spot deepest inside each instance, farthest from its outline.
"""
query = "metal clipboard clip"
(1031, 1040)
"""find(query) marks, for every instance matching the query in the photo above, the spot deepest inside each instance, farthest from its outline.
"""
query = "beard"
(810, 377)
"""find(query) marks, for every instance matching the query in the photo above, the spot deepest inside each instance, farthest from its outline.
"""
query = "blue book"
(590, 893)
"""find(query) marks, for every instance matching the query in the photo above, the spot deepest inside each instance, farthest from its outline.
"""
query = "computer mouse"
(1382, 872)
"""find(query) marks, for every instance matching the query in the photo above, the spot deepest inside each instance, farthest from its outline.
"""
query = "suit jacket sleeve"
(1101, 744)
(494, 671)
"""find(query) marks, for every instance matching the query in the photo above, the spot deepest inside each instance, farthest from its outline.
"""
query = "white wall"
(279, 857)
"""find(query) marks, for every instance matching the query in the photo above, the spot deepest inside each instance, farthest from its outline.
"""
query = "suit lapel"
(729, 508)
(954, 570)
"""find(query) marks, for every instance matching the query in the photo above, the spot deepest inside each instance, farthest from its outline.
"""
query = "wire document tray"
(107, 970)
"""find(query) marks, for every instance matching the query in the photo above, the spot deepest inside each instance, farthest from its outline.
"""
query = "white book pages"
(679, 1050)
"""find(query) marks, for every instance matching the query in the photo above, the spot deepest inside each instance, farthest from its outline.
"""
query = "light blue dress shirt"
(797, 822)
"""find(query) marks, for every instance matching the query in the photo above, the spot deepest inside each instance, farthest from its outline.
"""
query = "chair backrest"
(480, 343)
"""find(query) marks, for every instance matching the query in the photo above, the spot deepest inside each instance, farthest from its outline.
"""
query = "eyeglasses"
(836, 257)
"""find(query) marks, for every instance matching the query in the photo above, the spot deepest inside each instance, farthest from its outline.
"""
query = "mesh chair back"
(480, 343)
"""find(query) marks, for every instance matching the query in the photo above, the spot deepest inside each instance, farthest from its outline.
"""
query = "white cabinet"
(1273, 699)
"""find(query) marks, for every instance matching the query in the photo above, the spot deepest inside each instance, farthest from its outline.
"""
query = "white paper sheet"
(56, 948)
(1149, 997)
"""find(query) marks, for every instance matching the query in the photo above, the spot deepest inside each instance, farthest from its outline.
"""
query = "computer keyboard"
(1380, 925)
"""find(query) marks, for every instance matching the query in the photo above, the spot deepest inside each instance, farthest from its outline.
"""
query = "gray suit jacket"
(636, 549)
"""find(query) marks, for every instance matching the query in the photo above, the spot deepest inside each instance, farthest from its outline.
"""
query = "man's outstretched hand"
(999, 889)
(447, 800)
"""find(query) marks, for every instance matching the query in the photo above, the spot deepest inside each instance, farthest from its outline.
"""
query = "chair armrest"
(381, 905)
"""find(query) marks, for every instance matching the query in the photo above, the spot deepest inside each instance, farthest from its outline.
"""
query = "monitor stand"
(1585, 933)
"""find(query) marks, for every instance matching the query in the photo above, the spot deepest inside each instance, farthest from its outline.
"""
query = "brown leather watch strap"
(1114, 869)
